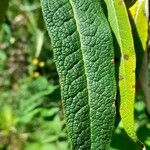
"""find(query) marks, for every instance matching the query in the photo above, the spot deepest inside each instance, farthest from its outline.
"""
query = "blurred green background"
(31, 116)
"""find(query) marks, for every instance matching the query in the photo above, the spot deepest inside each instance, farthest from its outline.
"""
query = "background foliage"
(31, 115)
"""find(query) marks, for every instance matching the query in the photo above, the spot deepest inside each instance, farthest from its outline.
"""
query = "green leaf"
(3, 8)
(36, 100)
(140, 21)
(140, 29)
(83, 52)
(39, 146)
(120, 24)
(139, 24)
(62, 145)
(49, 112)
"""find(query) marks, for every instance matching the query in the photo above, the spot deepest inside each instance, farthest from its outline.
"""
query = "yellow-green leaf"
(140, 25)
(120, 24)
(140, 21)
(83, 51)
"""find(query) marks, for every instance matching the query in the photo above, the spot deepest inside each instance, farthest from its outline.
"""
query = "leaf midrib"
(83, 58)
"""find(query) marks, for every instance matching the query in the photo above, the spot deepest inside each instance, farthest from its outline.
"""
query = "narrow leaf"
(120, 24)
(140, 21)
(83, 52)
(39, 42)
(140, 26)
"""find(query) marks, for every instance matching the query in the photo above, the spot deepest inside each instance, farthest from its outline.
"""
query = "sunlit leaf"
(120, 24)
(140, 21)
(140, 29)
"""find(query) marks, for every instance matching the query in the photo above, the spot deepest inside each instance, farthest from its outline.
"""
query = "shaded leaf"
(140, 26)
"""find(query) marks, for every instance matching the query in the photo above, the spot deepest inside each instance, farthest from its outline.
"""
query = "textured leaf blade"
(120, 24)
(83, 52)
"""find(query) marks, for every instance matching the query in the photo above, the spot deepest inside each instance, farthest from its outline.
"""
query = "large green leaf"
(83, 53)
(120, 24)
